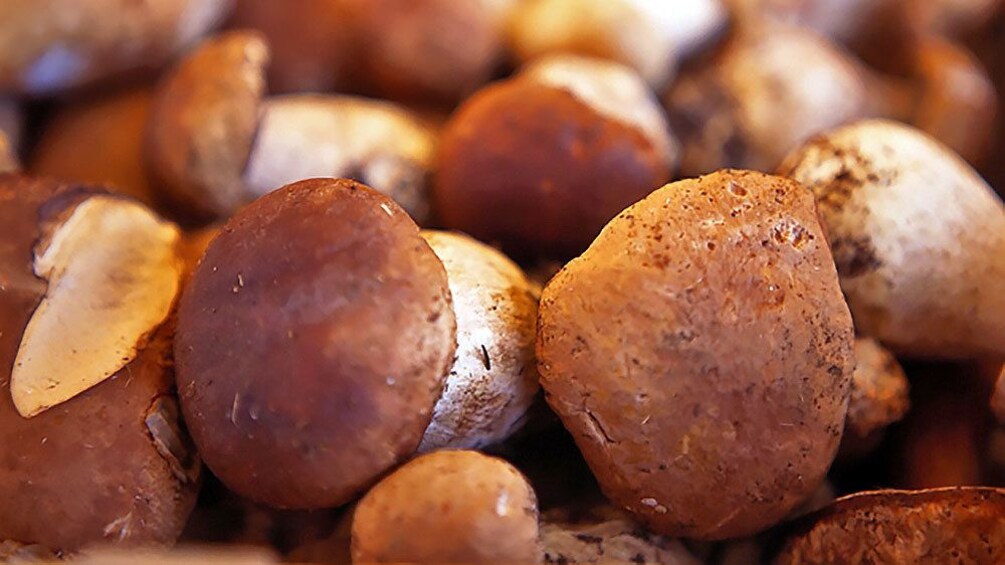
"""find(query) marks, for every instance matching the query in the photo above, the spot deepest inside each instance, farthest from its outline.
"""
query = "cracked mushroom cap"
(755, 101)
(948, 525)
(918, 237)
(700, 353)
(88, 418)
(48, 48)
(203, 122)
(448, 507)
(493, 380)
(543, 160)
(313, 341)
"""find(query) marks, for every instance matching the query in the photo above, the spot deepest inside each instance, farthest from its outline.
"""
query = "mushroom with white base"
(918, 238)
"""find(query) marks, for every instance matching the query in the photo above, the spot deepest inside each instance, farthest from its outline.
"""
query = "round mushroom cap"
(493, 380)
(61, 44)
(543, 160)
(313, 341)
(448, 507)
(204, 118)
(110, 464)
(948, 525)
(700, 353)
(918, 237)
(879, 397)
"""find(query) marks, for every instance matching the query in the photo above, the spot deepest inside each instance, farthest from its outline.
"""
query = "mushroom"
(950, 525)
(700, 353)
(88, 419)
(879, 398)
(765, 92)
(425, 50)
(99, 140)
(313, 342)
(215, 144)
(63, 44)
(448, 507)
(918, 237)
(493, 380)
(544, 159)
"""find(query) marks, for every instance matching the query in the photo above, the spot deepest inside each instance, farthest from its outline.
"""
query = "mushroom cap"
(918, 237)
(700, 353)
(313, 341)
(879, 391)
(448, 507)
(203, 122)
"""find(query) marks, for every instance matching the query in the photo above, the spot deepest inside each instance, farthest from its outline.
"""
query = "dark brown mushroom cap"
(531, 166)
(700, 352)
(947, 525)
(203, 122)
(86, 470)
(313, 342)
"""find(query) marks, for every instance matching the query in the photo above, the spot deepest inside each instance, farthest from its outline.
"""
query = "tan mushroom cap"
(700, 353)
(61, 44)
(448, 507)
(313, 342)
(204, 119)
(949, 525)
(918, 237)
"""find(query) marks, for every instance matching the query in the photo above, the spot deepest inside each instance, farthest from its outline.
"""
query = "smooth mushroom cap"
(448, 507)
(313, 341)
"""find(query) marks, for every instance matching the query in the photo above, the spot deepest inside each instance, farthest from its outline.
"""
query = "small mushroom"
(493, 380)
(879, 398)
(93, 445)
(313, 341)
(544, 159)
(700, 353)
(448, 507)
(63, 44)
(950, 525)
(918, 237)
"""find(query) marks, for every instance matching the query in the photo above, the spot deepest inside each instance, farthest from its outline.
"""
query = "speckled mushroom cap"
(313, 342)
(700, 353)
(203, 121)
(948, 525)
(879, 395)
(543, 160)
(87, 470)
(448, 507)
(918, 237)
(46, 48)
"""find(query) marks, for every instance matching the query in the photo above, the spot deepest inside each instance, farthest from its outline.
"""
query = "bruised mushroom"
(448, 507)
(95, 448)
(918, 237)
(313, 341)
(700, 353)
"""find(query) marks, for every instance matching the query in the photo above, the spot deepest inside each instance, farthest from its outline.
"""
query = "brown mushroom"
(879, 398)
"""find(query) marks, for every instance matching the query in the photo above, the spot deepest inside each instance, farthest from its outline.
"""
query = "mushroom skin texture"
(376, 143)
(949, 525)
(879, 397)
(304, 377)
(754, 101)
(918, 237)
(110, 464)
(543, 160)
(448, 507)
(435, 51)
(694, 437)
(493, 380)
(99, 140)
(605, 535)
(64, 44)
(203, 122)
